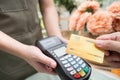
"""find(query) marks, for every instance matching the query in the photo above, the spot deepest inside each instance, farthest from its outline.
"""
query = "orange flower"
(94, 5)
(78, 18)
(100, 23)
(74, 19)
(115, 9)
(82, 20)
(116, 24)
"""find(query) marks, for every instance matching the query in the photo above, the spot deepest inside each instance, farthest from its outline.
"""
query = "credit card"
(84, 47)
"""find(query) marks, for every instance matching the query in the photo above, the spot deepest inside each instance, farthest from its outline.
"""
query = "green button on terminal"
(86, 69)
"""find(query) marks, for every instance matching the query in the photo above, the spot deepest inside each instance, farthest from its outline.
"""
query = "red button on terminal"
(77, 75)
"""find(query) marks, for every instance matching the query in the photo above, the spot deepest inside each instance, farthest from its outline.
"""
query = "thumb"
(47, 61)
(108, 45)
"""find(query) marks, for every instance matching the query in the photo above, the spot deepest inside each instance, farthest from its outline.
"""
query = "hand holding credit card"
(84, 47)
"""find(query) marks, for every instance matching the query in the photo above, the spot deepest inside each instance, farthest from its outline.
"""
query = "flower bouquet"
(91, 19)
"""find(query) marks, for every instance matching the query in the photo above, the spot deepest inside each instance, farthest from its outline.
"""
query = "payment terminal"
(69, 67)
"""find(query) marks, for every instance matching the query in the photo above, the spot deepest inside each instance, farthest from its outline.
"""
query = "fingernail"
(99, 43)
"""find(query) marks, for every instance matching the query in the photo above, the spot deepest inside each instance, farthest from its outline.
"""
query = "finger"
(104, 37)
(113, 58)
(113, 36)
(115, 64)
(108, 45)
(50, 70)
(42, 68)
(47, 61)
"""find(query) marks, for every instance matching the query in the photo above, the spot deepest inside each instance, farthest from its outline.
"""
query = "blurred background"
(64, 9)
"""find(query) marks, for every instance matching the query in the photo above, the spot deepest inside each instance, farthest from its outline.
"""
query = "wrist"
(25, 51)
(21, 51)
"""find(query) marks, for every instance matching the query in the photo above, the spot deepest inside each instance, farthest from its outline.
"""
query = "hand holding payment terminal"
(69, 67)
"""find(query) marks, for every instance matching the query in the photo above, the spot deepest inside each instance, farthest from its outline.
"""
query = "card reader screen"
(60, 51)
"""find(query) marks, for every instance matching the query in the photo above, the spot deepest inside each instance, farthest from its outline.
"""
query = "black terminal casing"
(48, 44)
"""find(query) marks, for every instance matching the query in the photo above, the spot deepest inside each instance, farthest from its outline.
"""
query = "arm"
(50, 18)
(29, 53)
(11, 46)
